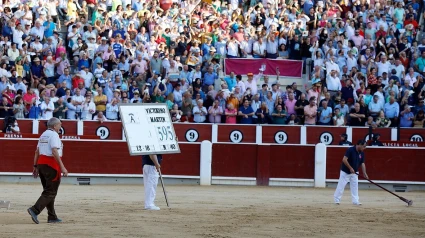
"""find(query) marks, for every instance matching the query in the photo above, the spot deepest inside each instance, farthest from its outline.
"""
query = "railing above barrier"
(234, 133)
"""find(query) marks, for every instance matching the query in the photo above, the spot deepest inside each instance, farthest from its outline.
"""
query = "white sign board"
(148, 129)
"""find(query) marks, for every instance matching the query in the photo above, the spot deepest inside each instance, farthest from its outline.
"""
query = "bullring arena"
(258, 186)
(214, 211)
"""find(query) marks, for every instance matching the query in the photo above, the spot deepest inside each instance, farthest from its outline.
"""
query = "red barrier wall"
(68, 127)
(236, 133)
(193, 132)
(277, 134)
(292, 162)
(233, 160)
(394, 164)
(25, 126)
(327, 135)
(97, 158)
(106, 130)
(263, 161)
(363, 133)
(412, 134)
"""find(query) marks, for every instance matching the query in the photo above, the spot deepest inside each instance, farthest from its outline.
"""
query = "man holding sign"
(150, 133)
(151, 167)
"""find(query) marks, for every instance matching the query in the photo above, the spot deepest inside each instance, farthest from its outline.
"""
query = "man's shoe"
(357, 203)
(54, 221)
(153, 208)
(33, 216)
(337, 203)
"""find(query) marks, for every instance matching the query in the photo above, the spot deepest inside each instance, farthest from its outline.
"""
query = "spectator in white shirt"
(331, 65)
(199, 112)
(78, 100)
(333, 82)
(251, 82)
(259, 49)
(87, 76)
(383, 65)
(112, 110)
(351, 61)
(89, 108)
(47, 108)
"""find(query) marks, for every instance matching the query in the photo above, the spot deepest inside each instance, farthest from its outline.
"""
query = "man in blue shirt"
(246, 112)
(137, 6)
(231, 81)
(347, 91)
(117, 48)
(151, 167)
(406, 119)
(391, 110)
(325, 114)
(66, 77)
(209, 79)
(352, 160)
(36, 69)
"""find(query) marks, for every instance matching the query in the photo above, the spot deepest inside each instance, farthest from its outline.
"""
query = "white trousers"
(345, 178)
(150, 180)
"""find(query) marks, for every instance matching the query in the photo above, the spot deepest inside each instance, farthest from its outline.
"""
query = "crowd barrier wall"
(233, 133)
(224, 163)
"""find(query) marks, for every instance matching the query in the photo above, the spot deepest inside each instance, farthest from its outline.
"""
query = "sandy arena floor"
(216, 211)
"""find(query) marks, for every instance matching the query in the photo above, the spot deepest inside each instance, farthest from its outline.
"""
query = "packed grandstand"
(363, 60)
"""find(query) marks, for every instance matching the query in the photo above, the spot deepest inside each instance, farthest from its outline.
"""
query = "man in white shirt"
(47, 108)
(89, 108)
(48, 165)
(400, 70)
(383, 65)
(333, 83)
(112, 110)
(37, 30)
(351, 61)
(77, 100)
(240, 84)
(199, 112)
(251, 82)
(271, 46)
(259, 49)
(331, 65)
(87, 76)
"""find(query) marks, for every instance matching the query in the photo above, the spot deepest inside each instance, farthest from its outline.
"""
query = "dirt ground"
(215, 211)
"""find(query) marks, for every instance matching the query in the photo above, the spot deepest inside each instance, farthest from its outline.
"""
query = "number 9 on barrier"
(148, 129)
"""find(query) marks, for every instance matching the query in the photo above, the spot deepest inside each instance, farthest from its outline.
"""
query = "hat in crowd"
(212, 49)
(249, 74)
(36, 59)
(103, 38)
(156, 72)
(117, 91)
(136, 92)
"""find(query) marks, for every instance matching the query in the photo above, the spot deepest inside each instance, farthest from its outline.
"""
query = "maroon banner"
(287, 68)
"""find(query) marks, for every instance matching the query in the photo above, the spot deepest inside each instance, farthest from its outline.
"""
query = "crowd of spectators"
(367, 65)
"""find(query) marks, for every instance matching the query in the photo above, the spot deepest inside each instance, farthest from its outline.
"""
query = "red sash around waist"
(50, 161)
